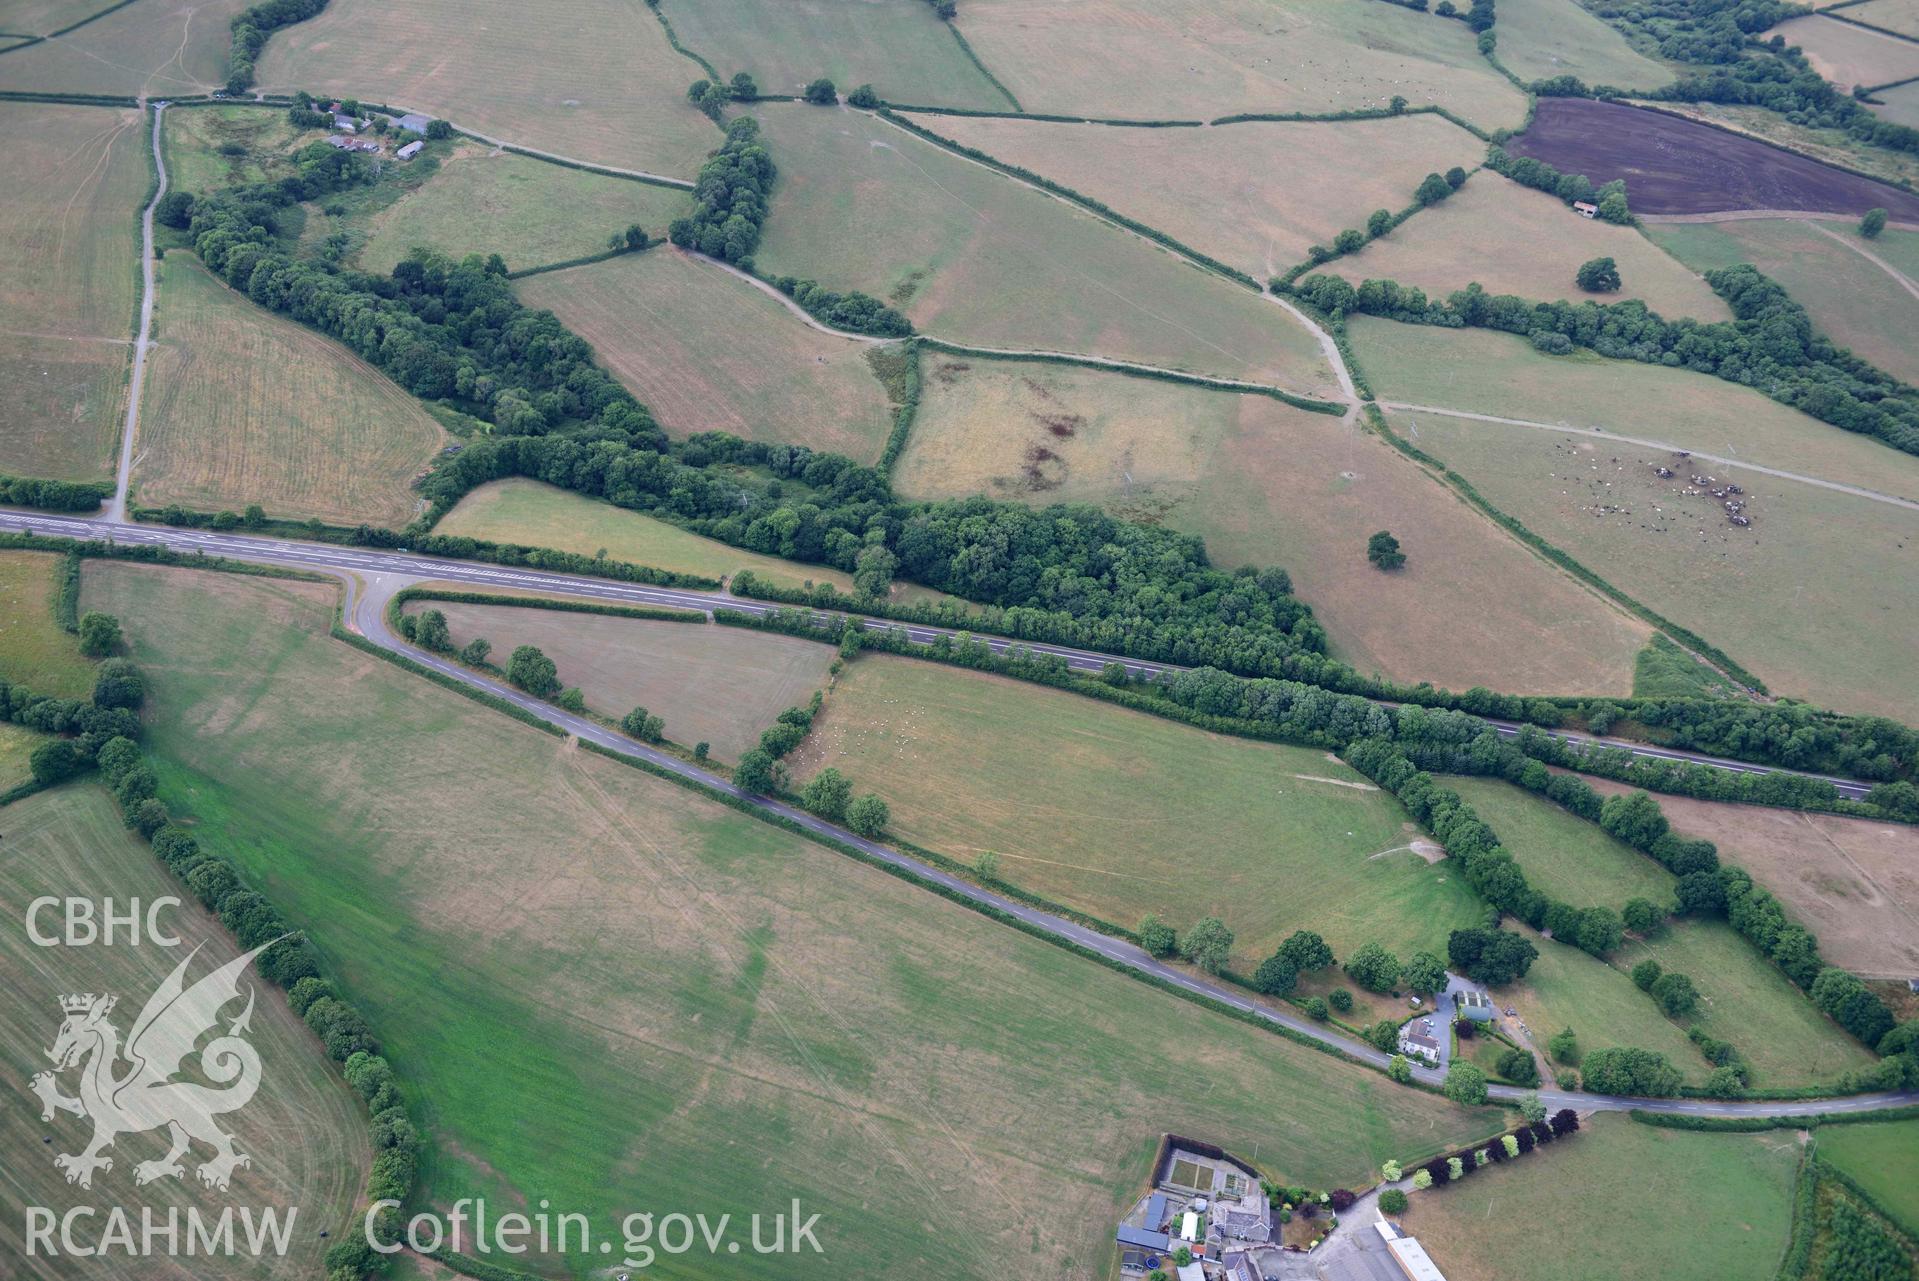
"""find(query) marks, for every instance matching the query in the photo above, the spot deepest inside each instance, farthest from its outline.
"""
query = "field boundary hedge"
(1140, 371)
(585, 260)
(1043, 117)
(972, 56)
(1754, 1124)
(1065, 192)
(654, 614)
(673, 38)
(567, 162)
(63, 99)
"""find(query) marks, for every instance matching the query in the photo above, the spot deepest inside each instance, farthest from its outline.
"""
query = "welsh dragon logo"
(130, 1087)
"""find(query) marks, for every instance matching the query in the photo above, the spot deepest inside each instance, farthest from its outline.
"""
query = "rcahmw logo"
(131, 1084)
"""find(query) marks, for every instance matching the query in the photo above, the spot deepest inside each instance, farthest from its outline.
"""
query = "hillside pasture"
(34, 652)
(1098, 808)
(1769, 594)
(1197, 59)
(602, 85)
(1736, 1190)
(1480, 371)
(69, 258)
(1273, 189)
(1540, 39)
(1565, 988)
(1514, 240)
(244, 406)
(528, 211)
(155, 49)
(711, 684)
(703, 1009)
(304, 1131)
(16, 749)
(707, 351)
(1851, 881)
(38, 17)
(1901, 105)
(1744, 999)
(1849, 55)
(1564, 856)
(1824, 265)
(900, 47)
(973, 256)
(1265, 484)
(517, 510)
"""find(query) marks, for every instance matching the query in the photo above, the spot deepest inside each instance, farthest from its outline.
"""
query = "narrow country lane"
(123, 473)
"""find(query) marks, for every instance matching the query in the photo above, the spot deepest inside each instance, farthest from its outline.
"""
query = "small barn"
(414, 122)
(1586, 208)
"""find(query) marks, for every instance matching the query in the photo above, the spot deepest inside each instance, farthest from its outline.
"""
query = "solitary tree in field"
(99, 634)
(1598, 276)
(821, 93)
(1207, 944)
(1564, 1047)
(1872, 224)
(1676, 995)
(1382, 549)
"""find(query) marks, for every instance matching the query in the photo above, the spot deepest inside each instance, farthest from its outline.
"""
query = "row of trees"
(1770, 345)
(1516, 1143)
(251, 28)
(1569, 187)
(729, 197)
(52, 495)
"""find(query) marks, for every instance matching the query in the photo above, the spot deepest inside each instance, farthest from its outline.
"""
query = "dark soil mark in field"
(1044, 469)
(948, 372)
(1061, 425)
(1674, 166)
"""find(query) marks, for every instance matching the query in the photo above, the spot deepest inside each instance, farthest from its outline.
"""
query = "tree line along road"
(372, 577)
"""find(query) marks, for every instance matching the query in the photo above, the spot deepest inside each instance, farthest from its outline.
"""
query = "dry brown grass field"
(1901, 105)
(1272, 190)
(1851, 881)
(1514, 240)
(156, 48)
(1267, 484)
(719, 685)
(244, 406)
(1849, 55)
(1196, 59)
(600, 85)
(1119, 813)
(973, 256)
(69, 258)
(699, 1008)
(37, 17)
(1798, 597)
(707, 351)
(305, 1130)
(1479, 371)
(1853, 300)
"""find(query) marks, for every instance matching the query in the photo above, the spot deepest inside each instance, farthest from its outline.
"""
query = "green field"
(33, 650)
(16, 745)
(1884, 1159)
(304, 1132)
(37, 17)
(601, 86)
(1747, 1001)
(1273, 189)
(652, 320)
(1664, 670)
(898, 46)
(1853, 300)
(1687, 1207)
(1514, 240)
(638, 997)
(1564, 856)
(1539, 39)
(223, 146)
(1265, 484)
(1118, 813)
(975, 257)
(1901, 105)
(1195, 59)
(1567, 988)
(527, 211)
(69, 261)
(155, 49)
(715, 684)
(245, 406)
(1849, 55)
(536, 515)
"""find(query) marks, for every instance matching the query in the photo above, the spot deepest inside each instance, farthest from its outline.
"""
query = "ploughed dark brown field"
(1674, 166)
